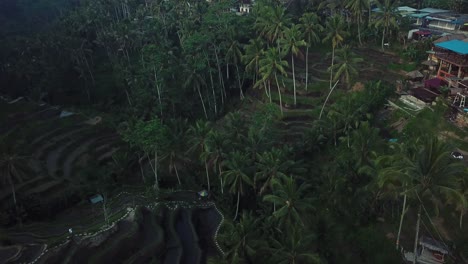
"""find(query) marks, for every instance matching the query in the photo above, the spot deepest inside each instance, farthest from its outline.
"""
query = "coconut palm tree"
(175, 154)
(198, 141)
(291, 43)
(387, 17)
(425, 173)
(252, 54)
(12, 168)
(346, 64)
(271, 165)
(233, 56)
(293, 248)
(357, 8)
(311, 28)
(236, 174)
(335, 34)
(271, 65)
(271, 23)
(195, 79)
(242, 238)
(291, 200)
(214, 153)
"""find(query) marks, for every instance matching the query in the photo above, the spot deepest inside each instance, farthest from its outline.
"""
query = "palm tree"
(236, 174)
(310, 27)
(242, 238)
(233, 55)
(199, 135)
(294, 248)
(214, 154)
(387, 17)
(336, 34)
(271, 23)
(331, 5)
(252, 54)
(346, 63)
(12, 168)
(271, 165)
(175, 154)
(425, 172)
(271, 65)
(357, 7)
(292, 42)
(291, 198)
(196, 80)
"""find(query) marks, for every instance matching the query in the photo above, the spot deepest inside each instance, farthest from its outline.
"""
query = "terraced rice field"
(163, 235)
(54, 148)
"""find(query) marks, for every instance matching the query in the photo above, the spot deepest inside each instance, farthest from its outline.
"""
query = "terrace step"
(20, 188)
(45, 187)
(117, 244)
(152, 241)
(54, 156)
(50, 144)
(174, 250)
(188, 237)
(68, 163)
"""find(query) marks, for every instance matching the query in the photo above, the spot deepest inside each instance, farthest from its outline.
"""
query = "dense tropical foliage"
(180, 82)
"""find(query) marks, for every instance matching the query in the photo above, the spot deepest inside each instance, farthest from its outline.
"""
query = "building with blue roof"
(452, 58)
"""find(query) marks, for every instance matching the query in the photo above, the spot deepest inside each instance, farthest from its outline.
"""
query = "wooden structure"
(452, 57)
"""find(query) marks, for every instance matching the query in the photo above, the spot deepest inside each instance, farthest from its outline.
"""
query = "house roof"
(419, 15)
(454, 45)
(96, 199)
(432, 10)
(450, 37)
(401, 9)
(433, 244)
(406, 9)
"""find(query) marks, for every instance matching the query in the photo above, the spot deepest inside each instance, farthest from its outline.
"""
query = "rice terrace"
(234, 131)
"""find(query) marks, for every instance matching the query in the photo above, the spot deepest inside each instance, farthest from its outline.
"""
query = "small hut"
(430, 251)
(415, 76)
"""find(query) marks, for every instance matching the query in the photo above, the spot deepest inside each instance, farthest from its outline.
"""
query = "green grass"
(411, 66)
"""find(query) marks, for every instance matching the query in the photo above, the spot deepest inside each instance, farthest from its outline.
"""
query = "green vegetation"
(191, 96)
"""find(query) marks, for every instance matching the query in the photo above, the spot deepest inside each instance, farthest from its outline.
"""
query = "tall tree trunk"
(220, 179)
(220, 76)
(307, 67)
(415, 259)
(104, 209)
(141, 168)
(201, 99)
(359, 30)
(403, 212)
(207, 176)
(241, 94)
(294, 78)
(326, 100)
(212, 84)
(156, 183)
(462, 212)
(331, 67)
(159, 92)
(237, 207)
(177, 174)
(279, 94)
(383, 38)
(128, 97)
(369, 18)
(12, 185)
